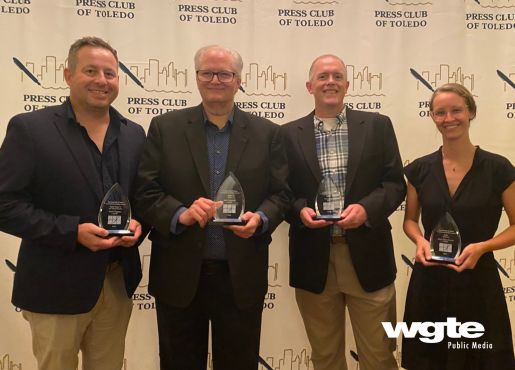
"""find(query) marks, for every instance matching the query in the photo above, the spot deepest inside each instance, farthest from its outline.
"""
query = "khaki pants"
(99, 334)
(324, 317)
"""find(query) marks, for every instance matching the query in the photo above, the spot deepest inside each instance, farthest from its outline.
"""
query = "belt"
(338, 239)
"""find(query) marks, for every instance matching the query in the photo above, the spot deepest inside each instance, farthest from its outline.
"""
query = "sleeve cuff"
(175, 227)
(263, 228)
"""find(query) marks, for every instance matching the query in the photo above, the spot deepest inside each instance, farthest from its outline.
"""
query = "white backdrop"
(396, 50)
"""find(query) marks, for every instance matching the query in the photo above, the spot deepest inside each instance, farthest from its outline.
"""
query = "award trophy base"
(442, 259)
(120, 233)
(328, 217)
(228, 221)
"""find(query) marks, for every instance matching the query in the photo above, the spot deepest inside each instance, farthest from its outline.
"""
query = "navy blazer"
(48, 185)
(374, 179)
(174, 172)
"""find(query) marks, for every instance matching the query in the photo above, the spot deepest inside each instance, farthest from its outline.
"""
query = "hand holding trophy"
(115, 212)
(445, 241)
(231, 195)
(329, 201)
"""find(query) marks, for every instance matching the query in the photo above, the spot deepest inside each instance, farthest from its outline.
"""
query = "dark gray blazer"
(374, 180)
(48, 185)
(174, 172)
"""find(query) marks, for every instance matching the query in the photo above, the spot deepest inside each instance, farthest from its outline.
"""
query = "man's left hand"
(129, 241)
(253, 220)
(353, 217)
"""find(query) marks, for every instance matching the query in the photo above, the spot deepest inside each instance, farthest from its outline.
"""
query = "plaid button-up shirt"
(332, 152)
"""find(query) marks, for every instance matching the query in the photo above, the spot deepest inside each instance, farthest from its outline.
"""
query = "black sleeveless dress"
(436, 293)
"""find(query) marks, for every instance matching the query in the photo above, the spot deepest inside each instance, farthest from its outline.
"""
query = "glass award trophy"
(445, 240)
(115, 212)
(329, 201)
(231, 195)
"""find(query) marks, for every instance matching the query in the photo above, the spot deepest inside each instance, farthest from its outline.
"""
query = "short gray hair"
(236, 57)
(310, 75)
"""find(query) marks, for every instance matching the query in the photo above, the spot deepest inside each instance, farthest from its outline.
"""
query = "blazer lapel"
(356, 129)
(196, 137)
(306, 137)
(237, 142)
(77, 147)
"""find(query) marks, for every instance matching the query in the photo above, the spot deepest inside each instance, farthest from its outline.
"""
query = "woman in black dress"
(473, 186)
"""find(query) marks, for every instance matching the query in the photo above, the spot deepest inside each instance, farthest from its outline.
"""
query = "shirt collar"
(114, 116)
(208, 122)
(341, 117)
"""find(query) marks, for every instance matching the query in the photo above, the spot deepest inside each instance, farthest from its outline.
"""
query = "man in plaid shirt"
(347, 263)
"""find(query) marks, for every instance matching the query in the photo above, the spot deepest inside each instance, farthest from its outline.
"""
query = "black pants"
(183, 332)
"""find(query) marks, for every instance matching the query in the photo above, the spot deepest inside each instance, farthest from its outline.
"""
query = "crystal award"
(231, 195)
(115, 212)
(329, 201)
(445, 240)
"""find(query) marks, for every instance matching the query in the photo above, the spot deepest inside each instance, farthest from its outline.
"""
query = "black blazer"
(374, 180)
(174, 172)
(48, 185)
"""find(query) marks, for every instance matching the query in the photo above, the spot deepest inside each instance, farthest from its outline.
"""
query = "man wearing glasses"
(201, 273)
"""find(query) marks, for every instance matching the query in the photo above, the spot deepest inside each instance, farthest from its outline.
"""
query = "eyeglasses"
(223, 76)
(440, 115)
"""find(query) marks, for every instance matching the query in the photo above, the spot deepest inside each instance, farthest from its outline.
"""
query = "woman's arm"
(470, 255)
(412, 228)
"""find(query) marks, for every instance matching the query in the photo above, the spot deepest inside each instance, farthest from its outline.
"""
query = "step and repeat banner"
(396, 52)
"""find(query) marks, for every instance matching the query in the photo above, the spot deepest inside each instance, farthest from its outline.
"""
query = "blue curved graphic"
(354, 355)
(10, 265)
(407, 261)
(503, 271)
(25, 70)
(263, 362)
(124, 68)
(421, 79)
(505, 79)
